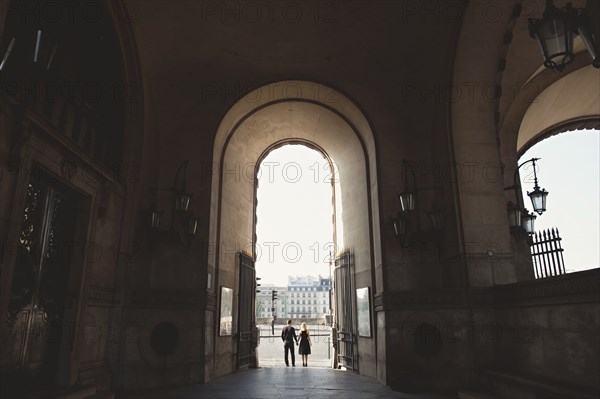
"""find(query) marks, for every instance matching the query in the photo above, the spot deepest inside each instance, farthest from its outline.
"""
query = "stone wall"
(547, 331)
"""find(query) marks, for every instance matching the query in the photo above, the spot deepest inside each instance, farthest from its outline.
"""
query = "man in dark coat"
(288, 336)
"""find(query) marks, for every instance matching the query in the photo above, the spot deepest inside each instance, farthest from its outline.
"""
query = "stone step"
(506, 383)
(86, 392)
(103, 395)
(81, 392)
(474, 395)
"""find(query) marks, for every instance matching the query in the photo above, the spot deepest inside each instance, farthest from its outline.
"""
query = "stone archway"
(506, 80)
(293, 111)
(567, 104)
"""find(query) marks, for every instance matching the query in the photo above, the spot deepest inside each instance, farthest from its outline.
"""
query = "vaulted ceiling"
(199, 57)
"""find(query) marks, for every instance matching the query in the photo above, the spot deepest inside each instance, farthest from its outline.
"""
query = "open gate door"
(344, 300)
(246, 320)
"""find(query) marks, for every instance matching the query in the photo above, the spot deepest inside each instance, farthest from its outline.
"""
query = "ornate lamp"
(182, 201)
(191, 226)
(554, 34)
(514, 215)
(155, 219)
(407, 201)
(436, 216)
(399, 226)
(528, 221)
(538, 199)
(408, 204)
(588, 28)
(538, 196)
(556, 29)
(407, 198)
(519, 216)
(180, 208)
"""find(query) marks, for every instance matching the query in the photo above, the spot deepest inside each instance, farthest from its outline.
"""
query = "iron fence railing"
(547, 254)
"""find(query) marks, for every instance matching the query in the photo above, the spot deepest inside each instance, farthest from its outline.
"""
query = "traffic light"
(257, 284)
(273, 295)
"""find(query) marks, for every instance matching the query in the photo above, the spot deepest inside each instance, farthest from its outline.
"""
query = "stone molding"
(573, 287)
(378, 302)
(396, 300)
(211, 302)
(569, 288)
(166, 299)
(102, 295)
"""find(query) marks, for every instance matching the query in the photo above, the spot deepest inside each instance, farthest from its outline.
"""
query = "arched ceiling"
(524, 78)
(524, 59)
(199, 57)
(574, 97)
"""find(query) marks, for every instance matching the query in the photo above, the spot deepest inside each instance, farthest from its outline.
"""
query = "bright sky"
(294, 229)
(570, 171)
(294, 214)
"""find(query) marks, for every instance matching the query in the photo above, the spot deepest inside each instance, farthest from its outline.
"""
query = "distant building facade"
(308, 297)
(266, 308)
(305, 297)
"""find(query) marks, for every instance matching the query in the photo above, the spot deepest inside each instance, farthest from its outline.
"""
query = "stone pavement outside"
(270, 349)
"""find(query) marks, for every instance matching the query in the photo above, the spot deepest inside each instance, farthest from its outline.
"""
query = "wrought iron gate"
(344, 301)
(246, 321)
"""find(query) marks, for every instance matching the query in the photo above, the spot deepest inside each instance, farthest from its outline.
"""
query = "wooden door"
(35, 327)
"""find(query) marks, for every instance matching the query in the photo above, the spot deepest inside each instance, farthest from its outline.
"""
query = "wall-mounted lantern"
(514, 215)
(528, 221)
(556, 29)
(519, 218)
(407, 201)
(408, 205)
(436, 217)
(399, 225)
(180, 202)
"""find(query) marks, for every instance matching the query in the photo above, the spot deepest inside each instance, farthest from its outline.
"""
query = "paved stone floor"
(283, 382)
(270, 350)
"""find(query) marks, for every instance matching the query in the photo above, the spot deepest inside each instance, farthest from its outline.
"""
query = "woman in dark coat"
(305, 344)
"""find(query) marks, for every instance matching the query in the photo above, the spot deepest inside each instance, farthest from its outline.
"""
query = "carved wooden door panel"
(34, 327)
